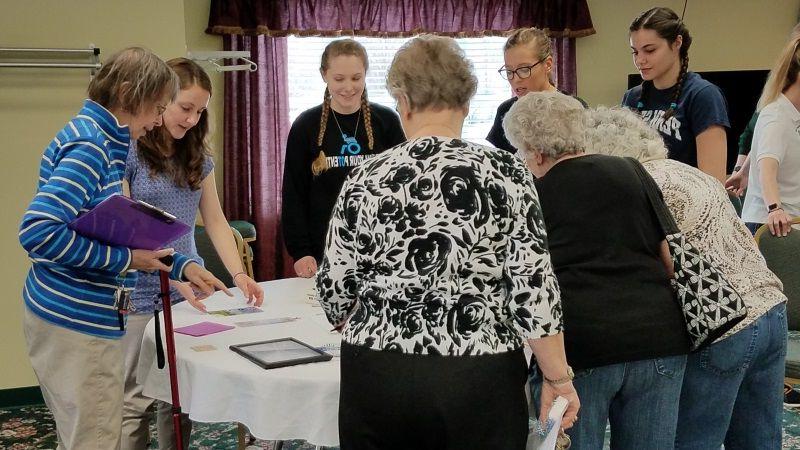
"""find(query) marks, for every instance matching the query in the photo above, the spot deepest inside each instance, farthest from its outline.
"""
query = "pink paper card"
(203, 329)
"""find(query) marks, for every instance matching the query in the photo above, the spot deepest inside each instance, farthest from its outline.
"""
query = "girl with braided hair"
(689, 112)
(324, 144)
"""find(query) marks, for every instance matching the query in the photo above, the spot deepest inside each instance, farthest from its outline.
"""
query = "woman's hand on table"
(203, 281)
(193, 298)
(251, 290)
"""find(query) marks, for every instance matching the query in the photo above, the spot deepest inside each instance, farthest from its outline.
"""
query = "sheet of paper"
(334, 350)
(220, 301)
(237, 311)
(547, 441)
(257, 322)
(203, 348)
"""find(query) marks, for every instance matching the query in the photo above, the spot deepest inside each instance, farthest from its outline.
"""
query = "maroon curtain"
(255, 129)
(256, 104)
(462, 18)
(565, 72)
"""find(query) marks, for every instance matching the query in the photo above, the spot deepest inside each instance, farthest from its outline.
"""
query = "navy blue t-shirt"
(497, 136)
(700, 106)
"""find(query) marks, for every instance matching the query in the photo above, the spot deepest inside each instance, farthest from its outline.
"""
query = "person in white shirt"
(773, 194)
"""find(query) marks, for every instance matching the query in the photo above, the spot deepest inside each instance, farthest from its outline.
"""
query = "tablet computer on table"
(280, 353)
(119, 220)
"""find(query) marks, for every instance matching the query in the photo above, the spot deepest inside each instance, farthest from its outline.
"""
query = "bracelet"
(563, 380)
(236, 275)
(737, 168)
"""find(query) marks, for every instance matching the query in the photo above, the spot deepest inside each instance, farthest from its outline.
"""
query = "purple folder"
(203, 329)
(118, 220)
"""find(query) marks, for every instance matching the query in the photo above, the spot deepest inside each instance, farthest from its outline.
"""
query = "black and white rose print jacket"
(437, 246)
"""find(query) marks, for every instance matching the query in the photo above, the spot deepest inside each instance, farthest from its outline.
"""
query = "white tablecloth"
(298, 402)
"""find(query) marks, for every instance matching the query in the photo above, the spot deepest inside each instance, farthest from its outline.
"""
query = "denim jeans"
(639, 399)
(733, 389)
(753, 227)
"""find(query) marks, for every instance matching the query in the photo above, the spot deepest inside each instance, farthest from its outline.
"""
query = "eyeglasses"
(522, 72)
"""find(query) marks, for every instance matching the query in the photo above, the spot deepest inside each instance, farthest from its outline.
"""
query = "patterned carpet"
(32, 428)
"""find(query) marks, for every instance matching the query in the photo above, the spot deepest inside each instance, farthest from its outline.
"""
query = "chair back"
(212, 261)
(782, 255)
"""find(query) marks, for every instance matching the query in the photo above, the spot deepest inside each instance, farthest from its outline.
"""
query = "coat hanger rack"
(61, 58)
(216, 58)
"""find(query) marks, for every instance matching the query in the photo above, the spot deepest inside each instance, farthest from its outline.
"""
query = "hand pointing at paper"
(202, 280)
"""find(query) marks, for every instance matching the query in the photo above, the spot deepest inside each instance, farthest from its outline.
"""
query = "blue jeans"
(753, 227)
(733, 389)
(639, 399)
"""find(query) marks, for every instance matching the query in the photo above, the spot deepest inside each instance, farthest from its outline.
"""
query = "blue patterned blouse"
(182, 202)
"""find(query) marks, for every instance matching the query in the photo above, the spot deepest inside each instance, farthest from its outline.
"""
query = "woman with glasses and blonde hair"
(773, 193)
(325, 143)
(437, 271)
(528, 58)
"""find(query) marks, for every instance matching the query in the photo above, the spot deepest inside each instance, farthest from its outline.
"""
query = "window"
(306, 86)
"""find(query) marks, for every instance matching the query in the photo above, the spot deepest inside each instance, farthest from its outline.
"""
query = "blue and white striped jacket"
(72, 279)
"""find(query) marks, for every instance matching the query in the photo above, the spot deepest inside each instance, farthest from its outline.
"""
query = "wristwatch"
(773, 207)
(565, 379)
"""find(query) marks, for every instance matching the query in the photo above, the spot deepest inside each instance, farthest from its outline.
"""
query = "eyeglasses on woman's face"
(522, 72)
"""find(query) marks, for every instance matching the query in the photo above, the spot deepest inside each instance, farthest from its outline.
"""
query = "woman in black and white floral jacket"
(436, 270)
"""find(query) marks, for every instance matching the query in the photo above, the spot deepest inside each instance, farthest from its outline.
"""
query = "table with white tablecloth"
(297, 402)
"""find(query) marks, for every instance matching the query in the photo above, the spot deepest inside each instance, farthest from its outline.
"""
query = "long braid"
(673, 105)
(320, 163)
(668, 26)
(646, 85)
(366, 111)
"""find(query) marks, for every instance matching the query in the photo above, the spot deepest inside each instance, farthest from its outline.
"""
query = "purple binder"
(118, 220)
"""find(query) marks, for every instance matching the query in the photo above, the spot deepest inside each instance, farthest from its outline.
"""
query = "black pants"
(398, 401)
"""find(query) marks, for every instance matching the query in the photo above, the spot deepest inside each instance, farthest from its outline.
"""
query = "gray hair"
(132, 79)
(549, 122)
(432, 72)
(619, 131)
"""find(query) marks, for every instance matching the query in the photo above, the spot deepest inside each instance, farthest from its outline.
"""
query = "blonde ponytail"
(782, 75)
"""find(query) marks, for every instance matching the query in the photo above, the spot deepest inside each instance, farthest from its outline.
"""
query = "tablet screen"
(279, 351)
